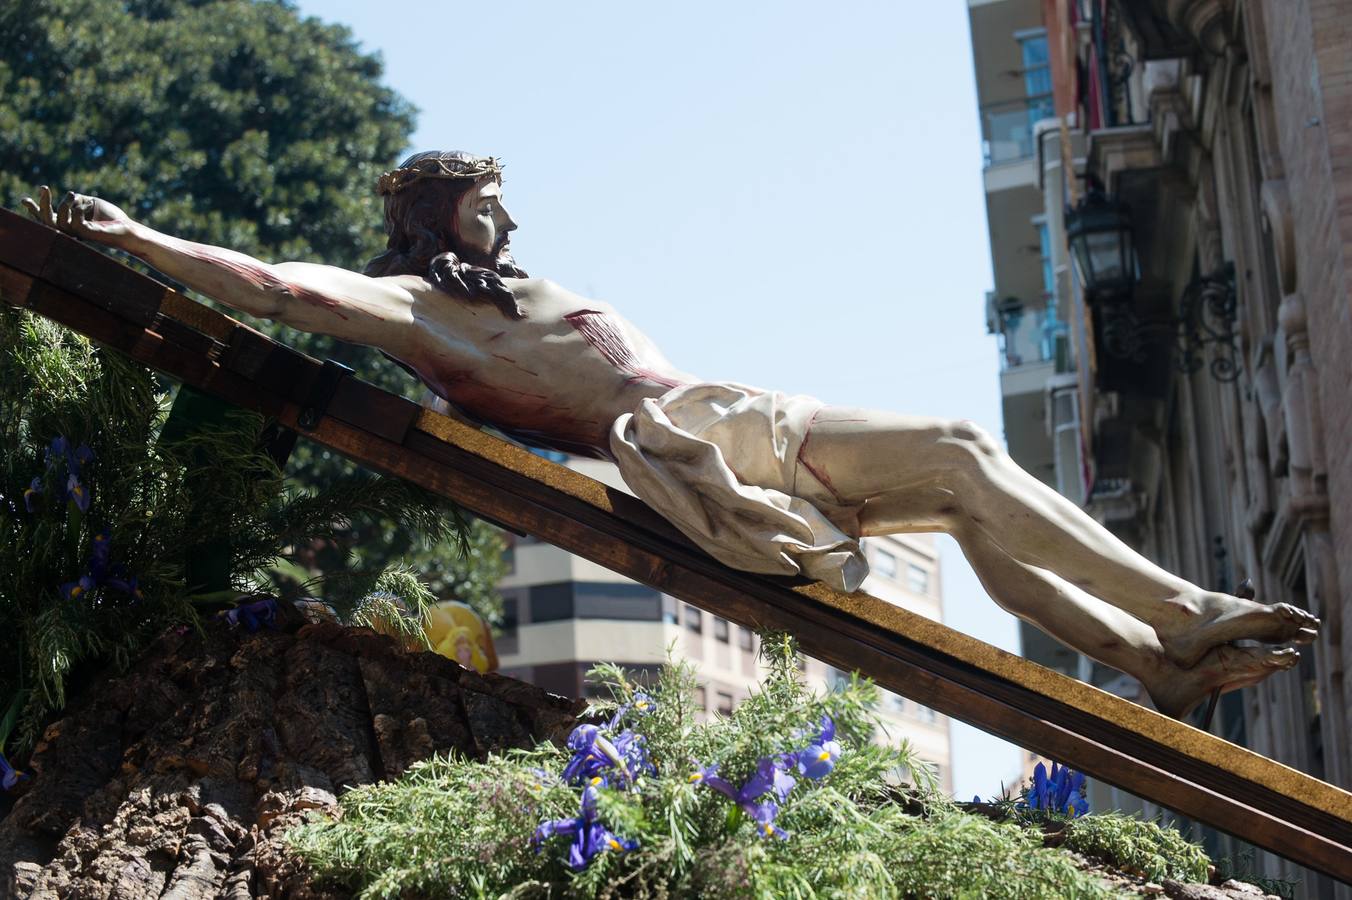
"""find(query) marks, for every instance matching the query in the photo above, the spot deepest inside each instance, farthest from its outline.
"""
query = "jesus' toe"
(1271, 623)
(1225, 667)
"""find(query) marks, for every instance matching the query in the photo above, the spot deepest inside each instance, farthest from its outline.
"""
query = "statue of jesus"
(763, 481)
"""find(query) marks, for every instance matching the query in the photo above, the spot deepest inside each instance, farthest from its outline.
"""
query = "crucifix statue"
(763, 481)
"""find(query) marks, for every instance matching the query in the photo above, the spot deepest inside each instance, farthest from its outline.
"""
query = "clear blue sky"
(785, 194)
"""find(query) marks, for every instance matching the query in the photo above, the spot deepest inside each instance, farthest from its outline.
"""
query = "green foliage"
(241, 124)
(229, 122)
(1243, 867)
(53, 383)
(1134, 845)
(162, 502)
(465, 564)
(453, 827)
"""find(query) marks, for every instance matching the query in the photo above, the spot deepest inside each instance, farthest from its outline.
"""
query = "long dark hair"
(420, 229)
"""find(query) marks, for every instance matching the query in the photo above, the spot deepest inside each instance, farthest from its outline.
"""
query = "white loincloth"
(720, 462)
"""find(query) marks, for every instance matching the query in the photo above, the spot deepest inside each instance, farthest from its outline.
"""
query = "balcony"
(1034, 349)
(1035, 337)
(1007, 129)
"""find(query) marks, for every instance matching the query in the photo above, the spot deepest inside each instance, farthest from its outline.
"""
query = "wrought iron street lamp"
(1100, 236)
(1099, 232)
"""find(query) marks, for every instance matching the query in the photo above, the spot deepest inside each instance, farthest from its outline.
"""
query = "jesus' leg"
(1109, 635)
(907, 470)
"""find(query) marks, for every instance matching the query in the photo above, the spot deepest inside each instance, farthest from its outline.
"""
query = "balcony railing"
(1035, 337)
(1007, 128)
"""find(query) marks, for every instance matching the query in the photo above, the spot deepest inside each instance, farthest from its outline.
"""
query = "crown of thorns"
(395, 180)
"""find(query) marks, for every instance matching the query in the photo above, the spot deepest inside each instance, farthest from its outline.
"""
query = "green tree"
(231, 122)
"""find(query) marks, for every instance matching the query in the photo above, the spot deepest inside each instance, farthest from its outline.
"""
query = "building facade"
(1202, 403)
(564, 614)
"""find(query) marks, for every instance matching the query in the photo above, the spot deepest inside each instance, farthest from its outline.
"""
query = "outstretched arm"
(315, 298)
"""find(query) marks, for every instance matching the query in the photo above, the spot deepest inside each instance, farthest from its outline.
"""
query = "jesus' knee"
(968, 450)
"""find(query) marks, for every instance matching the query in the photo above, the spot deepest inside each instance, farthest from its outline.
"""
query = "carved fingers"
(79, 214)
(41, 209)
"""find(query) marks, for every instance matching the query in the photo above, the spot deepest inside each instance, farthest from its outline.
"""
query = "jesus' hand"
(80, 215)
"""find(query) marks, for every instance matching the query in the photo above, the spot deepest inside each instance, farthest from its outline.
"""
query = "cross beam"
(1168, 762)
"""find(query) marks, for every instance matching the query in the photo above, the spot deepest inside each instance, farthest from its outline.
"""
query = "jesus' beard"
(500, 261)
(479, 277)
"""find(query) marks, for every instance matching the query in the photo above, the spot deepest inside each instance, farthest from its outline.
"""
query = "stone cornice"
(1170, 28)
(1203, 20)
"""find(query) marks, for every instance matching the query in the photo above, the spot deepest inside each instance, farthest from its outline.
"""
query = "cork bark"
(176, 779)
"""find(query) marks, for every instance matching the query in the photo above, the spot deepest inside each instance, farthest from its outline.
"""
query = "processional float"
(1163, 760)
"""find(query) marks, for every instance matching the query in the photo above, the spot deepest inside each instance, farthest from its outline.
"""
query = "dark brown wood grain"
(379, 430)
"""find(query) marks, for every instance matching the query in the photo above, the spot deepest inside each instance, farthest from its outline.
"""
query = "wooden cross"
(1171, 763)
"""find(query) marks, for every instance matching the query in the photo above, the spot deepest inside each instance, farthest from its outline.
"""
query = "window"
(724, 703)
(746, 639)
(669, 608)
(694, 620)
(508, 637)
(925, 714)
(551, 602)
(702, 697)
(616, 600)
(885, 564)
(720, 629)
(594, 600)
(899, 703)
(509, 617)
(1037, 71)
(917, 579)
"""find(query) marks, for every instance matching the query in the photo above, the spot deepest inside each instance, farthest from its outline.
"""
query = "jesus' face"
(482, 223)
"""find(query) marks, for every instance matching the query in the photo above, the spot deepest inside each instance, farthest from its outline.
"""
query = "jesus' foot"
(1223, 618)
(1176, 691)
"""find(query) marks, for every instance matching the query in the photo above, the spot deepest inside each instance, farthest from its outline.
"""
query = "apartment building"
(564, 614)
(1195, 161)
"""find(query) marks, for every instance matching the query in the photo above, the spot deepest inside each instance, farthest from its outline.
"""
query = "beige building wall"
(566, 613)
(1226, 129)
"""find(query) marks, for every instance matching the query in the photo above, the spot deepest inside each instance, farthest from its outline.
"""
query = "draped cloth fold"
(720, 462)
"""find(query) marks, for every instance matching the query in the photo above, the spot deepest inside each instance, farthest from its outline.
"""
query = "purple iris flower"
(1061, 792)
(33, 495)
(641, 703)
(130, 586)
(769, 777)
(58, 451)
(763, 814)
(592, 753)
(583, 737)
(74, 590)
(633, 749)
(587, 759)
(593, 839)
(590, 837)
(819, 757)
(254, 615)
(77, 493)
(9, 776)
